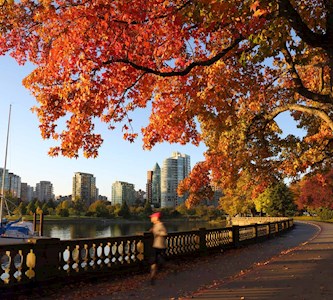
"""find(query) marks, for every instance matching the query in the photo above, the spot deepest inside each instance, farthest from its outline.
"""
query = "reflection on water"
(88, 229)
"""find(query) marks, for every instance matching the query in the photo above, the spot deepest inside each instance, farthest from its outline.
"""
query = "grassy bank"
(309, 218)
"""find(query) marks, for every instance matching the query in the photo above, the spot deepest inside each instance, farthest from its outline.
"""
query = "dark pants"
(158, 257)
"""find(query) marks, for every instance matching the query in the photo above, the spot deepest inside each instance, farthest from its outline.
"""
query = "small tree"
(124, 210)
(276, 201)
(113, 210)
(99, 209)
(45, 208)
(63, 212)
(325, 213)
(147, 210)
(63, 208)
(22, 208)
(79, 206)
(263, 201)
(31, 208)
(51, 204)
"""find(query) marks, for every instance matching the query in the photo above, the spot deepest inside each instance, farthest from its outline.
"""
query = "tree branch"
(184, 72)
(299, 87)
(316, 40)
(306, 109)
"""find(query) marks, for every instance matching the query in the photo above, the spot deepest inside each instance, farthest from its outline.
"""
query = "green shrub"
(325, 213)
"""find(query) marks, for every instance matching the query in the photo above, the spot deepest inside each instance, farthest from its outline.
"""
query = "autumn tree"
(198, 186)
(99, 209)
(239, 198)
(62, 208)
(211, 71)
(315, 191)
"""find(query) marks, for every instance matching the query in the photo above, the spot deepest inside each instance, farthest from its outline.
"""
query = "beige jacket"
(159, 233)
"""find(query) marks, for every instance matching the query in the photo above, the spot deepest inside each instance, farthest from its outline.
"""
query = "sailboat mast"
(4, 169)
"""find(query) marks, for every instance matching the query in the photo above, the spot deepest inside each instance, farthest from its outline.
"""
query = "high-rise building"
(140, 197)
(12, 183)
(123, 191)
(84, 187)
(156, 186)
(26, 192)
(44, 191)
(174, 169)
(184, 160)
(149, 185)
(6, 181)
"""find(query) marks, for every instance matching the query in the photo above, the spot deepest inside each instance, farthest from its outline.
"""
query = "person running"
(159, 244)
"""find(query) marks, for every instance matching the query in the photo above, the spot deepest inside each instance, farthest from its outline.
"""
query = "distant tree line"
(313, 195)
(104, 209)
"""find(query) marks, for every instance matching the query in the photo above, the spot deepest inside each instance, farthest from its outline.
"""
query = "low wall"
(254, 220)
(43, 259)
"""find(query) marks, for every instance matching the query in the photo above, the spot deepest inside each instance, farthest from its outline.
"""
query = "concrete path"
(295, 265)
(305, 272)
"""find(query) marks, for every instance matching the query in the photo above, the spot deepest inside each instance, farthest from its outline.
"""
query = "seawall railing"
(48, 259)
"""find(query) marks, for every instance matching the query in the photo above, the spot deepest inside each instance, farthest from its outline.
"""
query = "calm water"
(88, 229)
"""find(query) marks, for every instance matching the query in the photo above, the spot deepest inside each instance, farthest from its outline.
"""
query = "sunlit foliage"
(211, 71)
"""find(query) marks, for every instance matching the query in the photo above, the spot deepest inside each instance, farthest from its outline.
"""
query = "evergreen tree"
(45, 208)
(51, 204)
(124, 210)
(31, 208)
(281, 201)
(147, 208)
(23, 208)
(79, 206)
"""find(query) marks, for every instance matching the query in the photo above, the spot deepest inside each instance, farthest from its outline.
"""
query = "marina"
(18, 230)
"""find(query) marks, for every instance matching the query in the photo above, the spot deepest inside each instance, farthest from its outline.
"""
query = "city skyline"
(172, 156)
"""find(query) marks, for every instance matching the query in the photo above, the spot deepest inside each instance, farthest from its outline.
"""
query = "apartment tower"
(174, 169)
(84, 188)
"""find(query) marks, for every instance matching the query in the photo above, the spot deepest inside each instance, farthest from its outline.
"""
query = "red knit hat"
(156, 214)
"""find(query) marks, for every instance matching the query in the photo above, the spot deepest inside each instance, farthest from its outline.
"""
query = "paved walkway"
(305, 272)
(296, 265)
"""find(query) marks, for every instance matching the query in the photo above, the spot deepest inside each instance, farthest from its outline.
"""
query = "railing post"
(147, 246)
(47, 258)
(277, 228)
(34, 222)
(269, 230)
(290, 223)
(235, 236)
(202, 241)
(256, 232)
(41, 224)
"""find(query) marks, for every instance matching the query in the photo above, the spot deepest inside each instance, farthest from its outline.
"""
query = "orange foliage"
(217, 72)
(315, 191)
(198, 185)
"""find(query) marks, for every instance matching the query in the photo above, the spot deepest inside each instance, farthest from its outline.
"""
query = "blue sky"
(118, 159)
(27, 153)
